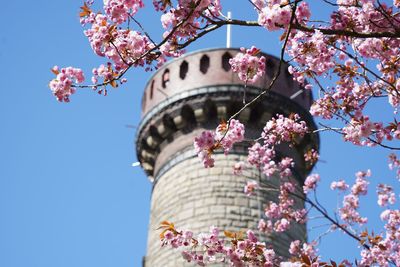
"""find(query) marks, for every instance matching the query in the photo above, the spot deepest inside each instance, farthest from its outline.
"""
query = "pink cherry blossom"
(61, 86)
(341, 185)
(247, 65)
(294, 247)
(250, 187)
(226, 135)
(350, 60)
(119, 11)
(238, 168)
(204, 145)
(311, 182)
(394, 163)
(274, 16)
(386, 195)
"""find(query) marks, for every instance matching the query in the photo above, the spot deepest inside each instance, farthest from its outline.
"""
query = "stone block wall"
(196, 198)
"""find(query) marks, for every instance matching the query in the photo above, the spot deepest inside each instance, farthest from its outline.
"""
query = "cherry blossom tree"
(357, 49)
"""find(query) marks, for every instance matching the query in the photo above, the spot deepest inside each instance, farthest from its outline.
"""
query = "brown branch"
(143, 30)
(347, 33)
(329, 218)
(322, 211)
(119, 54)
(337, 130)
(148, 52)
(363, 66)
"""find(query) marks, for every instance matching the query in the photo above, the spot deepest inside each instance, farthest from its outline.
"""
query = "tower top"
(210, 67)
(197, 91)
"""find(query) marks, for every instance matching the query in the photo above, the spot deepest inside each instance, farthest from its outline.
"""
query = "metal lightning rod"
(228, 32)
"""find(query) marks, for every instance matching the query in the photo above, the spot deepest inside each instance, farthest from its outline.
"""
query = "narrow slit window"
(204, 64)
(225, 61)
(151, 89)
(165, 78)
(183, 69)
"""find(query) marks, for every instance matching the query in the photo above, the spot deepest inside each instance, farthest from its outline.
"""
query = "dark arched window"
(165, 78)
(225, 61)
(204, 64)
(183, 69)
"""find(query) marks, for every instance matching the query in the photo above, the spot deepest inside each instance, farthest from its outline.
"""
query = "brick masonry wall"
(195, 198)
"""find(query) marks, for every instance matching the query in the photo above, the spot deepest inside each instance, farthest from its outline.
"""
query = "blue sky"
(68, 193)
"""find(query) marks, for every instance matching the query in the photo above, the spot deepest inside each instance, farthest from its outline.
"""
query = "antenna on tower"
(228, 31)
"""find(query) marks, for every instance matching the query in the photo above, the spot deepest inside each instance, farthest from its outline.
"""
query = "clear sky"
(68, 194)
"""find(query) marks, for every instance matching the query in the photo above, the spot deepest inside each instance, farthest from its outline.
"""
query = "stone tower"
(186, 96)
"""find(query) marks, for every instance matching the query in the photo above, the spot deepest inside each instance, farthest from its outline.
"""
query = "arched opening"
(210, 112)
(183, 69)
(204, 64)
(170, 126)
(154, 133)
(165, 78)
(145, 146)
(169, 122)
(225, 61)
(256, 113)
(188, 116)
(233, 108)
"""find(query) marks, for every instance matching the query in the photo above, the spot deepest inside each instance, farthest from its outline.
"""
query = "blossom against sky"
(68, 193)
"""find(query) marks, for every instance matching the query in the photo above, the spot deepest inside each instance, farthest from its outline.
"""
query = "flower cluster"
(204, 145)
(381, 250)
(351, 61)
(247, 65)
(284, 129)
(281, 214)
(340, 185)
(392, 227)
(238, 167)
(357, 48)
(210, 248)
(119, 11)
(276, 14)
(386, 195)
(264, 158)
(276, 131)
(348, 212)
(311, 156)
(228, 135)
(61, 86)
(250, 187)
(361, 131)
(311, 51)
(224, 137)
(122, 47)
(184, 21)
(311, 183)
(394, 163)
(308, 249)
